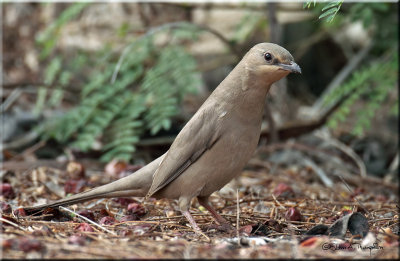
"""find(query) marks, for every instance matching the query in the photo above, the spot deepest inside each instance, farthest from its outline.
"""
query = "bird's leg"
(184, 203)
(191, 220)
(225, 225)
(193, 223)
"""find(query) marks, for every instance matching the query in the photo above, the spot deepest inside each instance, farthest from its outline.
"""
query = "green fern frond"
(372, 83)
(48, 38)
(115, 110)
(307, 4)
(329, 11)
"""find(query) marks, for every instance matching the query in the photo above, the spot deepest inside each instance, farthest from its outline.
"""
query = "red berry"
(84, 227)
(283, 190)
(136, 208)
(5, 208)
(87, 214)
(293, 214)
(74, 186)
(107, 221)
(6, 190)
(20, 212)
(129, 218)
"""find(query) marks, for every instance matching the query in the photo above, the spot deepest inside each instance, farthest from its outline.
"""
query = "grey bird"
(214, 145)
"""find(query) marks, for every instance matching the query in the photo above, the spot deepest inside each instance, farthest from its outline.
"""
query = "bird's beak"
(292, 67)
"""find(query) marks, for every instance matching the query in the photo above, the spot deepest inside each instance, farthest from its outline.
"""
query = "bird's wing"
(199, 135)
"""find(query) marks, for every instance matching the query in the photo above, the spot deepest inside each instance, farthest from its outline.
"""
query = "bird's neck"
(245, 94)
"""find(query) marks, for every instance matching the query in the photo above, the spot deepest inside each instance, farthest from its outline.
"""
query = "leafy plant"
(116, 109)
(329, 11)
(374, 82)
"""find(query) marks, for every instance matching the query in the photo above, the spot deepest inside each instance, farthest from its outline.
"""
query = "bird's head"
(270, 61)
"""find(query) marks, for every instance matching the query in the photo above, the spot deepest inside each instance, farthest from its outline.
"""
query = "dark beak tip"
(295, 68)
(292, 67)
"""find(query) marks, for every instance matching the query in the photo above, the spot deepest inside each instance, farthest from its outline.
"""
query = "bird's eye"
(267, 57)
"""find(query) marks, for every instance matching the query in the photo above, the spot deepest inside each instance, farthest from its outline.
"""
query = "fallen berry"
(107, 221)
(136, 208)
(6, 190)
(283, 190)
(84, 227)
(293, 214)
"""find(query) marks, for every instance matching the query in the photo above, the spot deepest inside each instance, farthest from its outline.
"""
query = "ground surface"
(133, 228)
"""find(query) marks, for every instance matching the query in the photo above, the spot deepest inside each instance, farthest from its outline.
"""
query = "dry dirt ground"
(277, 206)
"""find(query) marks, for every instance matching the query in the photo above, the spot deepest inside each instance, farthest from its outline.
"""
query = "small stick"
(277, 202)
(11, 223)
(319, 171)
(351, 191)
(88, 220)
(237, 215)
(347, 150)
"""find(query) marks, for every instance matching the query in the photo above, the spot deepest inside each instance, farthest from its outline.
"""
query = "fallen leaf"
(319, 229)
(309, 242)
(358, 224)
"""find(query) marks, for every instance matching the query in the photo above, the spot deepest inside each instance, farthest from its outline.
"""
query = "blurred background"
(117, 81)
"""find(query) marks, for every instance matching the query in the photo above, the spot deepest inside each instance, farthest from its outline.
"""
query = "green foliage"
(381, 20)
(57, 74)
(372, 83)
(174, 68)
(49, 37)
(329, 11)
(307, 4)
(114, 112)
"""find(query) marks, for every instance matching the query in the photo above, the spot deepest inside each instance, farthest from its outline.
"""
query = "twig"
(237, 215)
(10, 99)
(318, 106)
(11, 223)
(347, 150)
(88, 220)
(32, 149)
(277, 202)
(319, 171)
(351, 191)
(24, 140)
(393, 167)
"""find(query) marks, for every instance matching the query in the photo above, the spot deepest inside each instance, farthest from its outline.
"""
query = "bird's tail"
(135, 185)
